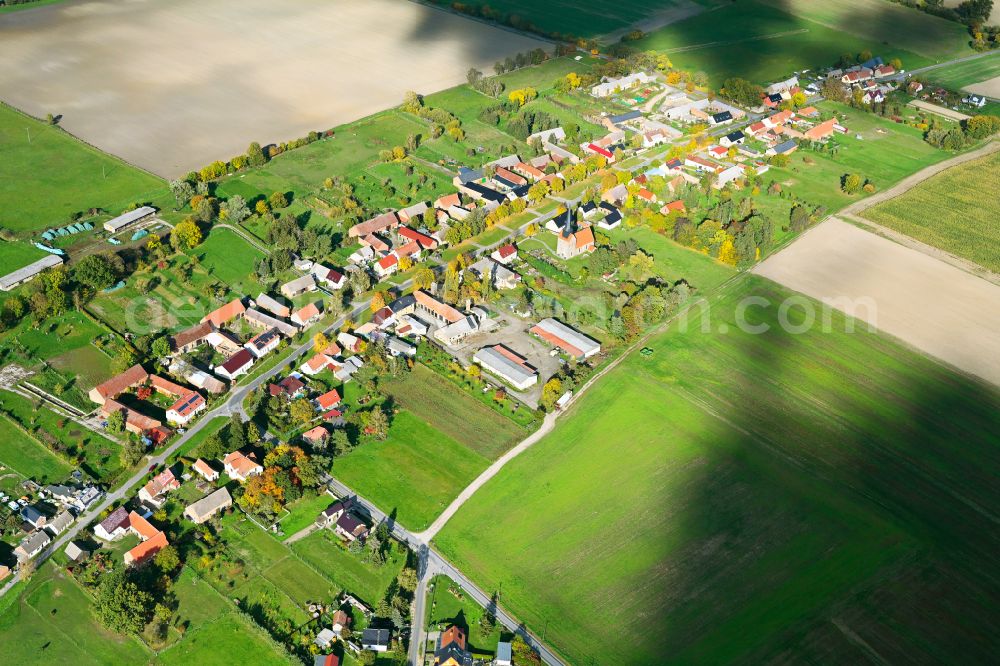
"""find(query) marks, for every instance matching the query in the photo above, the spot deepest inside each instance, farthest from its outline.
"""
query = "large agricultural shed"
(131, 217)
(568, 339)
(22, 275)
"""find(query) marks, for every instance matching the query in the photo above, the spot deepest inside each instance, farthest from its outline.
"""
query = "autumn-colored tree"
(186, 234)
(320, 342)
(302, 411)
(378, 301)
(423, 278)
(551, 393)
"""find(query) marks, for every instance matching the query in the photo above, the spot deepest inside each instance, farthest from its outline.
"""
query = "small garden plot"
(226, 256)
(89, 364)
(71, 330)
(99, 456)
(399, 184)
(449, 605)
(300, 581)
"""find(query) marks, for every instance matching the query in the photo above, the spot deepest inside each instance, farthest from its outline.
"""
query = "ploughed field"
(173, 86)
(823, 497)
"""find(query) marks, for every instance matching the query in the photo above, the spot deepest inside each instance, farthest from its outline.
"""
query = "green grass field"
(101, 456)
(417, 471)
(52, 620)
(454, 412)
(950, 212)
(760, 42)
(588, 18)
(43, 182)
(878, 21)
(28, 457)
(961, 74)
(886, 153)
(812, 498)
(324, 551)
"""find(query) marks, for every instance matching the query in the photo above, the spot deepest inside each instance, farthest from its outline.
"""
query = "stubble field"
(819, 498)
(173, 86)
(939, 309)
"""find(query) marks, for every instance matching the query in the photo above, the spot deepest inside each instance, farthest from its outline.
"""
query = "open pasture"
(46, 175)
(308, 65)
(758, 41)
(950, 212)
(755, 498)
(967, 74)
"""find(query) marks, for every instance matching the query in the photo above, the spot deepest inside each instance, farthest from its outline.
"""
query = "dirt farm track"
(172, 86)
(937, 308)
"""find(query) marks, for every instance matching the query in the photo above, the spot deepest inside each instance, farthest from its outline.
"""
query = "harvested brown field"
(172, 86)
(937, 308)
(989, 88)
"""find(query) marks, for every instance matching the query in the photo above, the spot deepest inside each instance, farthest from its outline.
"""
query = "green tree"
(120, 605)
(277, 200)
(376, 423)
(124, 360)
(98, 271)
(302, 411)
(182, 191)
(236, 209)
(851, 183)
(743, 92)
(116, 421)
(167, 559)
(161, 346)
(255, 155)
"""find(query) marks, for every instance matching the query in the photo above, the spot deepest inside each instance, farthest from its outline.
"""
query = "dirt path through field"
(938, 308)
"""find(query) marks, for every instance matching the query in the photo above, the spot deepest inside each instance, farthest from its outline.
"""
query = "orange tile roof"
(307, 312)
(134, 375)
(142, 527)
(317, 362)
(534, 172)
(329, 399)
(241, 463)
(822, 130)
(133, 418)
(166, 386)
(584, 237)
(226, 313)
(447, 201)
(147, 548)
(204, 468)
(442, 310)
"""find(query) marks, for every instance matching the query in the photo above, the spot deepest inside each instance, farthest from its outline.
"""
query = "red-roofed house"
(186, 407)
(119, 383)
(646, 195)
(241, 467)
(426, 242)
(306, 315)
(316, 436)
(205, 470)
(505, 255)
(528, 171)
(447, 201)
(387, 265)
(146, 549)
(821, 131)
(155, 491)
(316, 364)
(604, 152)
(673, 206)
(226, 313)
(238, 364)
(328, 400)
(883, 70)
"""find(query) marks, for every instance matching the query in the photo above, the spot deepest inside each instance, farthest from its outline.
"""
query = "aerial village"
(300, 348)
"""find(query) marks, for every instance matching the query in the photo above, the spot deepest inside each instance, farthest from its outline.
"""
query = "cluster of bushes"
(958, 137)
(512, 63)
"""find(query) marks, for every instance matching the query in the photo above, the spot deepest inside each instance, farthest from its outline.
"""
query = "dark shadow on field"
(829, 530)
